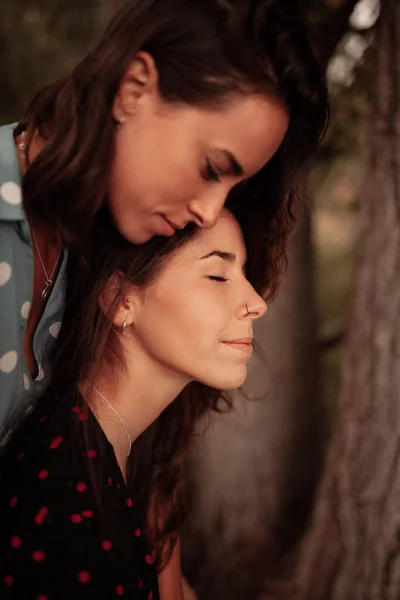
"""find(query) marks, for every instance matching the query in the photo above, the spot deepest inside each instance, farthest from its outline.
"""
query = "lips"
(175, 226)
(168, 229)
(243, 344)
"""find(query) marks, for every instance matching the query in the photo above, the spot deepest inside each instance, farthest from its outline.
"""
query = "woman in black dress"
(91, 492)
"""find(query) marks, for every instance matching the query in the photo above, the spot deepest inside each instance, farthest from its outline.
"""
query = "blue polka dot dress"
(18, 390)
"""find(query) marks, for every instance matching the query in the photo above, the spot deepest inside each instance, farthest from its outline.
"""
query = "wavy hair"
(205, 52)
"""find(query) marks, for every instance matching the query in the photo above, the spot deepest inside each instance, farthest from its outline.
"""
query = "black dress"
(58, 538)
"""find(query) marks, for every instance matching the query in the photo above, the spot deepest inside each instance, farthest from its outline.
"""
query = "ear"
(140, 78)
(118, 312)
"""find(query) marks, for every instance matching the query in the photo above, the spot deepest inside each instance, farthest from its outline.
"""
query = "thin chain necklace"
(49, 279)
(129, 433)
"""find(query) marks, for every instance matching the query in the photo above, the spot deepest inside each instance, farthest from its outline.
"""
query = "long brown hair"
(87, 338)
(205, 51)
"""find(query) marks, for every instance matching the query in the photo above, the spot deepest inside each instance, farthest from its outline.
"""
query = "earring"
(123, 327)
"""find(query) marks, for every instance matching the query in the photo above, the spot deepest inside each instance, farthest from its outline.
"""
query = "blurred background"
(269, 477)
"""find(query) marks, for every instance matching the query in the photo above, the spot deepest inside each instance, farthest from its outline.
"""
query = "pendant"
(46, 289)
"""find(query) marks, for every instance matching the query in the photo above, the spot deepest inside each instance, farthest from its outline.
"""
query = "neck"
(139, 393)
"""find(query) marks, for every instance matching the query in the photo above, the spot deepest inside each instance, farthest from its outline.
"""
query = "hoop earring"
(123, 327)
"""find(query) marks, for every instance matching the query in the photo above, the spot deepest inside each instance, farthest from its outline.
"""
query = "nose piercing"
(247, 309)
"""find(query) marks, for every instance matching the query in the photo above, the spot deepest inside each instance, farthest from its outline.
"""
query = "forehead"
(251, 126)
(226, 236)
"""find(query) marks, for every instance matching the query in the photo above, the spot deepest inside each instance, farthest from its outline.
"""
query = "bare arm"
(170, 578)
(170, 581)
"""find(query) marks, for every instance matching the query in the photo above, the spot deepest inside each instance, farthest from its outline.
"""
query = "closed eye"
(210, 173)
(216, 278)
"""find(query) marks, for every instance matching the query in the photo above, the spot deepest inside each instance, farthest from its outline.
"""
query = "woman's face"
(195, 322)
(176, 164)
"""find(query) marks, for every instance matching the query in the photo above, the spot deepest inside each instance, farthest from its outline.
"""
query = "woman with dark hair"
(91, 493)
(182, 104)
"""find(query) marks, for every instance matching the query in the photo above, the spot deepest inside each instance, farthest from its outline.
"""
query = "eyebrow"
(235, 165)
(228, 256)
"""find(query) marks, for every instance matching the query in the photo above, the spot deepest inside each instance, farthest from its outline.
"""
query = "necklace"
(49, 279)
(129, 433)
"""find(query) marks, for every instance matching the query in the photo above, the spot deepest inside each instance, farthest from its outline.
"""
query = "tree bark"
(352, 550)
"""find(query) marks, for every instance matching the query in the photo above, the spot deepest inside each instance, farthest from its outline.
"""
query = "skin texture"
(168, 161)
(169, 158)
(175, 334)
(178, 327)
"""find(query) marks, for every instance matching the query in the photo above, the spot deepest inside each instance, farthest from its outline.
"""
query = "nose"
(255, 308)
(205, 211)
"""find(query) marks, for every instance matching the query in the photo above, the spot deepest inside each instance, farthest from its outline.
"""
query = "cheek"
(179, 319)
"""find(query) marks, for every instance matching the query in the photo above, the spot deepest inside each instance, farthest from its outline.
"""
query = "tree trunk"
(352, 551)
(246, 515)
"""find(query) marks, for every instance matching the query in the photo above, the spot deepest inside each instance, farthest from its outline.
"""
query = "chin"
(229, 381)
(133, 235)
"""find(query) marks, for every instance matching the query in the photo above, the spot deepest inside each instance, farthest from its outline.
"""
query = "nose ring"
(247, 309)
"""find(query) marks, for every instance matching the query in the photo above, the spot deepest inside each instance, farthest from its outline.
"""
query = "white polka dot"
(5, 272)
(29, 409)
(11, 192)
(55, 329)
(40, 374)
(27, 383)
(8, 362)
(25, 309)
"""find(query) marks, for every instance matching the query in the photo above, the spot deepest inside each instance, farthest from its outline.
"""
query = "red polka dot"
(56, 442)
(8, 580)
(13, 501)
(106, 545)
(56, 397)
(21, 455)
(41, 515)
(82, 417)
(15, 541)
(77, 410)
(150, 596)
(43, 474)
(80, 486)
(38, 555)
(129, 502)
(118, 486)
(137, 533)
(149, 559)
(87, 513)
(42, 419)
(84, 577)
(91, 453)
(42, 597)
(76, 518)
(109, 481)
(119, 590)
(140, 584)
